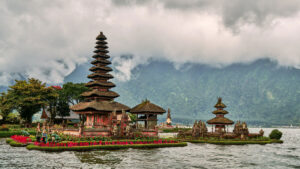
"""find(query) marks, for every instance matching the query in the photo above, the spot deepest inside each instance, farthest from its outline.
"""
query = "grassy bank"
(5, 134)
(236, 142)
(174, 130)
(104, 147)
(13, 143)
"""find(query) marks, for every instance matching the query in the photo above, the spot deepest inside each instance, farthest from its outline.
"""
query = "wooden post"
(136, 121)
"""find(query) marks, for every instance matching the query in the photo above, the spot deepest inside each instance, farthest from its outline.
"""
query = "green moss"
(104, 147)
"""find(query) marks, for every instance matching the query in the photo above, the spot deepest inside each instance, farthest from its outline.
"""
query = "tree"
(72, 92)
(275, 134)
(63, 107)
(5, 106)
(27, 97)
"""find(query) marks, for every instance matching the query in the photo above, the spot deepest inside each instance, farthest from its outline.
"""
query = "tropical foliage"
(275, 134)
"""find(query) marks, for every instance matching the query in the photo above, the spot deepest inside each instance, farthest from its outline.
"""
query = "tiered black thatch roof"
(99, 97)
(219, 104)
(220, 119)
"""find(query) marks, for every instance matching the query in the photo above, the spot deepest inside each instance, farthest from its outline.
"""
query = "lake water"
(286, 155)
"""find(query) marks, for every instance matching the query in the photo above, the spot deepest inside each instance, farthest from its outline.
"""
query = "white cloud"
(47, 40)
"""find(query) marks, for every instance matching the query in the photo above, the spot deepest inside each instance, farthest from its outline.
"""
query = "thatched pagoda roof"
(220, 120)
(98, 83)
(100, 50)
(99, 55)
(104, 75)
(96, 92)
(101, 36)
(101, 46)
(104, 68)
(220, 104)
(101, 61)
(220, 112)
(99, 97)
(147, 107)
(106, 106)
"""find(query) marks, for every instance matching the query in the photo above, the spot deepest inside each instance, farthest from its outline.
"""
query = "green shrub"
(4, 128)
(16, 144)
(4, 134)
(8, 140)
(275, 134)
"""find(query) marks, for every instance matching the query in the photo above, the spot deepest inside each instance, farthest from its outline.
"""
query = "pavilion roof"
(220, 120)
(147, 107)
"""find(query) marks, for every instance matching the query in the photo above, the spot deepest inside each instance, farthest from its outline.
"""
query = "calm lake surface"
(286, 155)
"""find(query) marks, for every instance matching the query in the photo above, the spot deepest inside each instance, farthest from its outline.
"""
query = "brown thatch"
(104, 75)
(220, 112)
(107, 106)
(101, 42)
(220, 120)
(103, 46)
(104, 68)
(100, 51)
(220, 104)
(101, 36)
(44, 115)
(96, 92)
(147, 107)
(107, 62)
(97, 83)
(98, 55)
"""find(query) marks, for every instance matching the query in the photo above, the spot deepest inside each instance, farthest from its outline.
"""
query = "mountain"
(261, 93)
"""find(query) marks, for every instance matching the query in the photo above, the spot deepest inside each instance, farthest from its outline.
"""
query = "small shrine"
(169, 119)
(219, 126)
(146, 121)
(220, 123)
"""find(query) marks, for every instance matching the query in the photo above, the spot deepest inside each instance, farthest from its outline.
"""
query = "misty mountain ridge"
(260, 93)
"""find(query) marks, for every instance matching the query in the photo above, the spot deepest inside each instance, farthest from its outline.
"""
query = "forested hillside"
(261, 92)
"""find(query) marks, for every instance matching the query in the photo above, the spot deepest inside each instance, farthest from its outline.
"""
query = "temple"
(220, 122)
(96, 109)
(219, 126)
(146, 121)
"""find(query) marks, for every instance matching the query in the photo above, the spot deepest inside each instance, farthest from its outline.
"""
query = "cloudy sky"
(47, 39)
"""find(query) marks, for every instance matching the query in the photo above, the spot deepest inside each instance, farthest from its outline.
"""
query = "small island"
(220, 133)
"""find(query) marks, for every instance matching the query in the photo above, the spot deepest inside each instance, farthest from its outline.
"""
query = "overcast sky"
(47, 39)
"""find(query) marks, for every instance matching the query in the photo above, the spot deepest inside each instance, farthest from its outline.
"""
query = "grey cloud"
(48, 39)
(234, 12)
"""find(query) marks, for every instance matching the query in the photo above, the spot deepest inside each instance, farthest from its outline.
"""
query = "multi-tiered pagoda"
(99, 102)
(220, 121)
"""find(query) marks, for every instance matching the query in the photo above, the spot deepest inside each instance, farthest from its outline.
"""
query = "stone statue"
(115, 130)
(261, 132)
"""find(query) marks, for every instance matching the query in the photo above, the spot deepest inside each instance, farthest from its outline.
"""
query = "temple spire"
(100, 85)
